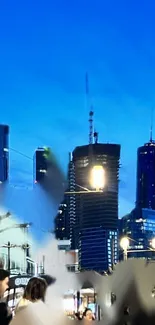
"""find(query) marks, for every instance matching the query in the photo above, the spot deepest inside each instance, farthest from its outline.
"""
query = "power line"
(21, 153)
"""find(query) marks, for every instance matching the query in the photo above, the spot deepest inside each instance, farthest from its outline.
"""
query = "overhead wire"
(21, 153)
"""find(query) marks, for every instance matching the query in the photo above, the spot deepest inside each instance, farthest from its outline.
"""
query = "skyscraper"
(94, 229)
(61, 222)
(4, 153)
(145, 195)
(139, 225)
(40, 165)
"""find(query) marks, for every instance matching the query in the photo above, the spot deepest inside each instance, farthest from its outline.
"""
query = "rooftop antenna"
(151, 129)
(91, 113)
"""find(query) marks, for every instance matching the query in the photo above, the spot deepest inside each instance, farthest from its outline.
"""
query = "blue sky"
(46, 48)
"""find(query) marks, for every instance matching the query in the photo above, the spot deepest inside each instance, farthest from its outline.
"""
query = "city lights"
(97, 177)
(124, 243)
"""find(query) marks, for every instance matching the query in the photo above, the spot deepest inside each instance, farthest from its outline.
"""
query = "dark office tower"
(145, 196)
(40, 164)
(96, 221)
(4, 153)
(65, 219)
(61, 232)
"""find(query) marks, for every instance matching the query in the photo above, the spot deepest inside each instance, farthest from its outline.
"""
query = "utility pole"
(43, 264)
(9, 247)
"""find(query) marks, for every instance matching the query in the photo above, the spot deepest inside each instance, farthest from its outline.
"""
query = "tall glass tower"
(145, 196)
(40, 165)
(4, 153)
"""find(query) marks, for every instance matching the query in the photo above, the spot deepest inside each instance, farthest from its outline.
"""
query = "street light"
(20, 225)
(124, 243)
(97, 177)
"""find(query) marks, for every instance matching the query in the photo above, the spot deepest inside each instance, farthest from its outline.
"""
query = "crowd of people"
(35, 291)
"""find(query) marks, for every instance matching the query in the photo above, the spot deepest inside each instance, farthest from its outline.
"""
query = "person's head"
(35, 289)
(49, 279)
(87, 314)
(4, 281)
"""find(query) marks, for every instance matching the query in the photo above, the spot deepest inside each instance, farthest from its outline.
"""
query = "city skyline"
(42, 92)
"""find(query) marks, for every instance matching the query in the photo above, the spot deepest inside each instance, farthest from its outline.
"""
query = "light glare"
(153, 243)
(98, 177)
(124, 243)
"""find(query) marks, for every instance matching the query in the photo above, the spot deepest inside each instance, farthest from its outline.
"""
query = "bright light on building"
(153, 243)
(97, 177)
(124, 243)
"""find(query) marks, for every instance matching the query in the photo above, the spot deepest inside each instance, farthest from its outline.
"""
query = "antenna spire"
(91, 134)
(91, 113)
(151, 129)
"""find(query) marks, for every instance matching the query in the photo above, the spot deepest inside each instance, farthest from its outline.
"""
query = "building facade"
(95, 214)
(4, 153)
(65, 217)
(145, 196)
(40, 165)
(139, 227)
(61, 223)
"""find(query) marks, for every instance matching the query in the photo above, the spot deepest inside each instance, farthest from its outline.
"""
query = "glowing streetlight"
(97, 177)
(124, 243)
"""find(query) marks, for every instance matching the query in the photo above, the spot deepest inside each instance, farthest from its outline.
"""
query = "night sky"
(46, 49)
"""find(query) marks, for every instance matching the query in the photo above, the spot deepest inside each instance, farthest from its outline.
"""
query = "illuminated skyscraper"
(4, 153)
(94, 228)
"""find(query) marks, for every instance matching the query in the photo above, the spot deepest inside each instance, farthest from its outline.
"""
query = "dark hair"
(77, 315)
(49, 279)
(85, 312)
(4, 274)
(35, 289)
(6, 317)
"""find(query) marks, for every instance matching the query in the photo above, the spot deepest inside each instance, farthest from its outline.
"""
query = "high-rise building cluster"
(16, 245)
(90, 219)
(87, 221)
